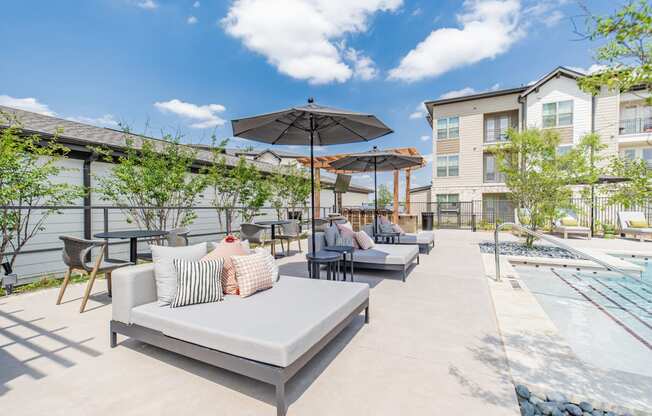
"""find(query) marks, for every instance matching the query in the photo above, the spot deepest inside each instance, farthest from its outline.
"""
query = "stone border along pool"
(512, 248)
(556, 404)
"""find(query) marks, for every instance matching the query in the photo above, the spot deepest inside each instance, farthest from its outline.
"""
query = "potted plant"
(608, 230)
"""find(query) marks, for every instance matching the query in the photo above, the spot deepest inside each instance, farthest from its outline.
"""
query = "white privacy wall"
(561, 89)
(70, 222)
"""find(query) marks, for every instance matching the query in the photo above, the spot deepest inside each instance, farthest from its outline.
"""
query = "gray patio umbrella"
(376, 160)
(312, 125)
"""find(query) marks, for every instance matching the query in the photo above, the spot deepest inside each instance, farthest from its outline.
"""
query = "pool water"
(605, 317)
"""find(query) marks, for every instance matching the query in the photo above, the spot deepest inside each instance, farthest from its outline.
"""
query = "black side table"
(391, 238)
(329, 258)
(344, 250)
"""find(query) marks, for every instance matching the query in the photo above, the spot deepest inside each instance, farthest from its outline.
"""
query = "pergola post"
(317, 193)
(395, 217)
(407, 191)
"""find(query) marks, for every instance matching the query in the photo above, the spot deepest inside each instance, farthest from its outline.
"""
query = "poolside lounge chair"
(566, 230)
(624, 220)
(269, 336)
(381, 257)
(424, 239)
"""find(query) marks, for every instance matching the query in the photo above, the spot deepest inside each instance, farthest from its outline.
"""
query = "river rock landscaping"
(511, 248)
(556, 404)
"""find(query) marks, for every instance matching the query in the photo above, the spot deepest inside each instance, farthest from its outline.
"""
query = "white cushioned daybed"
(381, 256)
(268, 336)
(425, 240)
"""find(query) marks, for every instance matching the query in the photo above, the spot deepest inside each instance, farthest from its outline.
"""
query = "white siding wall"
(561, 89)
(70, 222)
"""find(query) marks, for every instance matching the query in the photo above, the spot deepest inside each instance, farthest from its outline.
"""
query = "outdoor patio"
(432, 346)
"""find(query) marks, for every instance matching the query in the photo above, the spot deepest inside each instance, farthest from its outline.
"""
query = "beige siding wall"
(448, 147)
(469, 183)
(607, 110)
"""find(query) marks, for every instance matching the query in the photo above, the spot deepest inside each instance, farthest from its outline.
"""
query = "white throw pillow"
(164, 271)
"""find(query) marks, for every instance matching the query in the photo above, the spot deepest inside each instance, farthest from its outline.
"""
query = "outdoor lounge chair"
(624, 217)
(382, 257)
(270, 337)
(289, 232)
(75, 252)
(424, 239)
(567, 230)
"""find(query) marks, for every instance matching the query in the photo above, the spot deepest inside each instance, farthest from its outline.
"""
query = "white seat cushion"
(275, 326)
(573, 228)
(422, 237)
(387, 254)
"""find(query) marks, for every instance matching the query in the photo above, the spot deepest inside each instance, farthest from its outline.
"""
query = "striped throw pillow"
(364, 241)
(197, 282)
(254, 273)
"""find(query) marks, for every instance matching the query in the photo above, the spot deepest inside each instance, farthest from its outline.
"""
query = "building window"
(496, 126)
(491, 172)
(630, 154)
(448, 128)
(559, 114)
(444, 198)
(564, 149)
(448, 165)
(647, 156)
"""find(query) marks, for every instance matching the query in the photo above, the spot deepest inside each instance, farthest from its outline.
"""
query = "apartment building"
(464, 128)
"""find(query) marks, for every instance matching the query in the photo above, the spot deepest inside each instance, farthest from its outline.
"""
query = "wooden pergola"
(324, 162)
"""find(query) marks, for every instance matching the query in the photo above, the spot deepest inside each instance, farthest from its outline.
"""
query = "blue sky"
(190, 66)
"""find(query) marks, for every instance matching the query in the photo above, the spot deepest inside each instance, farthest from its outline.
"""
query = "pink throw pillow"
(254, 273)
(397, 229)
(348, 233)
(346, 225)
(383, 220)
(364, 241)
(226, 250)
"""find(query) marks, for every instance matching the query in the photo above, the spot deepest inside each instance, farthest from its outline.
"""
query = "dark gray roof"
(82, 135)
(559, 71)
(488, 94)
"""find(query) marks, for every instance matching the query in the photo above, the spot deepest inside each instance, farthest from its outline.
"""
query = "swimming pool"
(605, 317)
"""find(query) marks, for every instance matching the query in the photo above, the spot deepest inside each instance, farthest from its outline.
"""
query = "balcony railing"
(636, 125)
(495, 136)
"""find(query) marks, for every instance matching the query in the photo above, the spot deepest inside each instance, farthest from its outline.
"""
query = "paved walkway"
(432, 347)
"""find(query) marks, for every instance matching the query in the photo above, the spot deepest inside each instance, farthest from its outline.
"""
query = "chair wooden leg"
(64, 285)
(299, 243)
(87, 292)
(108, 283)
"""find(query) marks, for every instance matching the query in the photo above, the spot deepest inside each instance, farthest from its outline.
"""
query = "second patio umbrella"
(312, 125)
(375, 161)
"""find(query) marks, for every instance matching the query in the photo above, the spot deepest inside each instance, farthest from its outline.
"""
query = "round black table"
(329, 258)
(389, 237)
(344, 250)
(133, 237)
(273, 224)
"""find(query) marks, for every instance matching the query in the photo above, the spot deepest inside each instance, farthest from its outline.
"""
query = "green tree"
(27, 179)
(254, 189)
(384, 196)
(536, 174)
(298, 187)
(625, 51)
(153, 184)
(279, 188)
(636, 191)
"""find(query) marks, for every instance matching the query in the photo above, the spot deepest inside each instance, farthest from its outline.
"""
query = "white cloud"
(416, 12)
(27, 104)
(466, 91)
(419, 112)
(487, 28)
(191, 20)
(196, 4)
(205, 116)
(301, 38)
(590, 70)
(107, 120)
(364, 67)
(147, 4)
(425, 138)
(545, 11)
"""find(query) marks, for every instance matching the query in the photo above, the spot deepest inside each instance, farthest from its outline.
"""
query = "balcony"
(635, 126)
(496, 126)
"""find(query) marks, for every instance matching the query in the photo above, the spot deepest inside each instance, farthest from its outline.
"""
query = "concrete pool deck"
(433, 346)
(542, 359)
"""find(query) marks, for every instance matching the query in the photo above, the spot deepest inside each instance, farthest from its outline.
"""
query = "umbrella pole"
(375, 201)
(312, 182)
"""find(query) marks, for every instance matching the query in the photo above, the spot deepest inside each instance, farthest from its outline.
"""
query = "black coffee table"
(330, 259)
(344, 250)
(132, 236)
